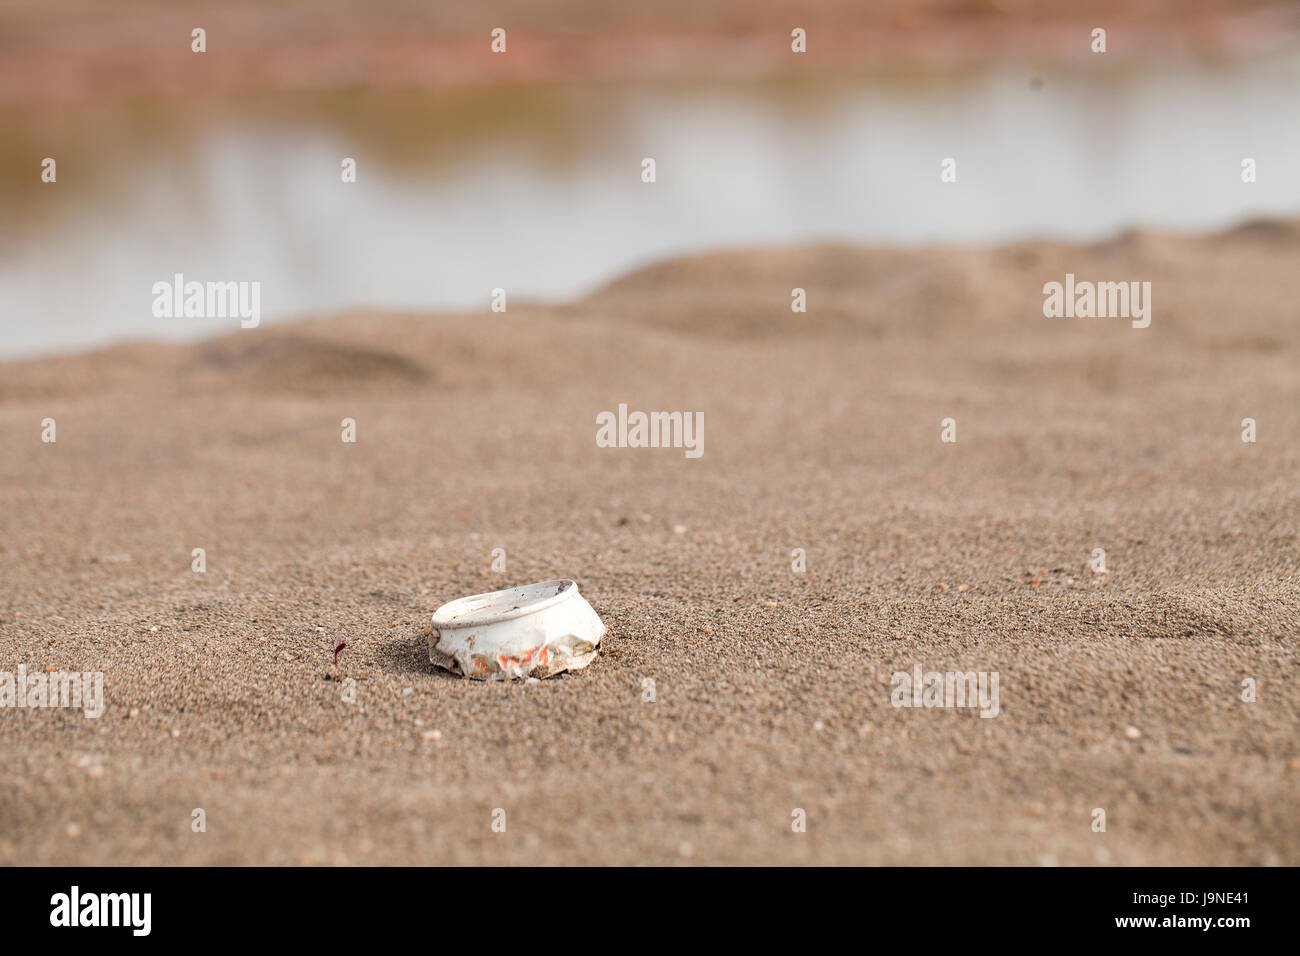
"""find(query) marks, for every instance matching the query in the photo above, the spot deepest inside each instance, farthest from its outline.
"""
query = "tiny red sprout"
(339, 645)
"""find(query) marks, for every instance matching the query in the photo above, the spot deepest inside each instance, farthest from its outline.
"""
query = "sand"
(772, 687)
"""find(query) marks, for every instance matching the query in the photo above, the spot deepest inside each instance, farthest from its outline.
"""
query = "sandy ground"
(86, 50)
(772, 687)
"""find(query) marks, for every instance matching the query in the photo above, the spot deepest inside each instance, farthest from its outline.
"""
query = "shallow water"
(539, 191)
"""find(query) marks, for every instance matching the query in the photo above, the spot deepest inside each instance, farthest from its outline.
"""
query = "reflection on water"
(539, 191)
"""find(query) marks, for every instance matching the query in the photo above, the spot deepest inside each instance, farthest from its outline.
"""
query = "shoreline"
(227, 332)
(88, 66)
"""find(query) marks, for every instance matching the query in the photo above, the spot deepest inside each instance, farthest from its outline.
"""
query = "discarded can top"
(535, 630)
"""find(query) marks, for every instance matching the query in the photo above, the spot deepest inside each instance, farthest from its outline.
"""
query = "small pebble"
(1132, 733)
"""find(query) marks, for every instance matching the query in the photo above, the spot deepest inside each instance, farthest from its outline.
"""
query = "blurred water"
(538, 191)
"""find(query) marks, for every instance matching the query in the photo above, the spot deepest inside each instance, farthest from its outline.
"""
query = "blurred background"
(522, 170)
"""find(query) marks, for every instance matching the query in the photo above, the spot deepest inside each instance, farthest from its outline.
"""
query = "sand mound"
(289, 361)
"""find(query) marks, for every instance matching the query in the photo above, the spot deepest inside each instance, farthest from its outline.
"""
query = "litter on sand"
(535, 630)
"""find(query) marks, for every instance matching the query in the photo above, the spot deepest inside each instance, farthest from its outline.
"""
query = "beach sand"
(772, 688)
